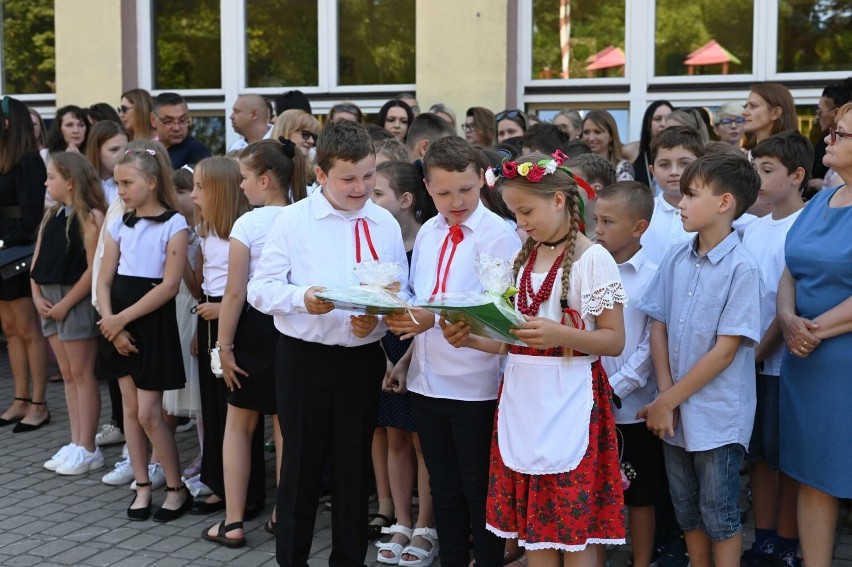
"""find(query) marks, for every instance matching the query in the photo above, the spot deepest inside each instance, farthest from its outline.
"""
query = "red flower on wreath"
(535, 173)
(510, 169)
(559, 156)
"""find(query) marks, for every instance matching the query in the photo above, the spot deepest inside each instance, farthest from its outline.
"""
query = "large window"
(29, 53)
(814, 36)
(187, 46)
(590, 34)
(703, 37)
(281, 43)
(375, 41)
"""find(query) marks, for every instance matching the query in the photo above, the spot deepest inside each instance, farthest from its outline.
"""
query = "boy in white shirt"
(454, 391)
(783, 163)
(329, 365)
(622, 213)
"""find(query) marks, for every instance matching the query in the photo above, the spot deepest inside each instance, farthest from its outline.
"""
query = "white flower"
(550, 167)
(490, 177)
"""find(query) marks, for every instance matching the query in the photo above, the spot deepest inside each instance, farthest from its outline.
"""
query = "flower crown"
(534, 172)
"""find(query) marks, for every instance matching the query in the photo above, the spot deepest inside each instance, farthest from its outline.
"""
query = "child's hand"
(314, 305)
(540, 332)
(457, 334)
(208, 311)
(363, 325)
(402, 325)
(42, 306)
(58, 312)
(659, 418)
(111, 326)
(396, 378)
(124, 344)
(230, 369)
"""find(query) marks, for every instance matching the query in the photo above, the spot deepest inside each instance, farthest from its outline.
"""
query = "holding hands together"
(799, 335)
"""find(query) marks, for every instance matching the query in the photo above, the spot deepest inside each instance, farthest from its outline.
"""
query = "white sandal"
(424, 557)
(396, 549)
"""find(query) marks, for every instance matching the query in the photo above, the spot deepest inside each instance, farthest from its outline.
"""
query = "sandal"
(220, 534)
(269, 526)
(374, 531)
(425, 557)
(396, 549)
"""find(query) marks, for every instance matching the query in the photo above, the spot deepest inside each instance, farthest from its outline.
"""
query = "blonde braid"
(571, 244)
(523, 255)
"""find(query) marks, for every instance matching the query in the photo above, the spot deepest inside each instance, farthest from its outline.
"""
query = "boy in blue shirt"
(705, 302)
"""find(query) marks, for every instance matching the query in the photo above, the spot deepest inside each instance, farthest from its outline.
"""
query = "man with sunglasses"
(250, 119)
(170, 118)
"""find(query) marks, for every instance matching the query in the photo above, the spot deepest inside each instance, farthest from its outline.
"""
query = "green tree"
(187, 45)
(814, 35)
(281, 41)
(29, 46)
(376, 42)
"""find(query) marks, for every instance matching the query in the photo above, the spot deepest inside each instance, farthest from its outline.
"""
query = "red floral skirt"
(565, 511)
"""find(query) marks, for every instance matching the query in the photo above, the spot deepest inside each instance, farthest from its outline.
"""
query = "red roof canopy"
(608, 57)
(711, 53)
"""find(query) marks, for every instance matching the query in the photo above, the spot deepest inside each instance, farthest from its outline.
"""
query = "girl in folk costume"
(555, 482)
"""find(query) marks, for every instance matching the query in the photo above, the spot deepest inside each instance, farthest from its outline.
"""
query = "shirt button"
(697, 265)
(689, 294)
(681, 321)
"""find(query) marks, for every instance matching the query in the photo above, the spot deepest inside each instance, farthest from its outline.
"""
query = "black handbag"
(16, 260)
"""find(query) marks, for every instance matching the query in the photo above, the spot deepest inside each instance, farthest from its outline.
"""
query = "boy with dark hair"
(425, 129)
(622, 213)
(599, 173)
(705, 304)
(545, 138)
(783, 162)
(329, 365)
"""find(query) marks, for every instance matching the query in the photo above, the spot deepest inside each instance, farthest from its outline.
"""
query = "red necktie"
(455, 235)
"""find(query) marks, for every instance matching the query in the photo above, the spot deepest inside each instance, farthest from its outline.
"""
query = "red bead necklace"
(526, 292)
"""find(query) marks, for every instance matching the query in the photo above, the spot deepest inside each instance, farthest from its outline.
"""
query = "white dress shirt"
(631, 374)
(215, 251)
(664, 231)
(242, 143)
(313, 244)
(437, 369)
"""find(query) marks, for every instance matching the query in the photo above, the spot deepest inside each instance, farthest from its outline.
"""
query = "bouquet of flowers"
(377, 293)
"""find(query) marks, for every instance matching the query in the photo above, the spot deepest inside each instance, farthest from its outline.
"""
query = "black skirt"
(159, 363)
(255, 343)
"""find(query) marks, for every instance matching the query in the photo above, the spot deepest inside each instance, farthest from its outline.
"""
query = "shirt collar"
(323, 208)
(635, 261)
(720, 250)
(470, 222)
(67, 209)
(666, 205)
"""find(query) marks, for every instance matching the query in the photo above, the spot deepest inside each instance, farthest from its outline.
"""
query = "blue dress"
(816, 392)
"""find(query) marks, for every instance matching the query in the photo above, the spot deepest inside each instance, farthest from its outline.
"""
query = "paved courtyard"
(48, 520)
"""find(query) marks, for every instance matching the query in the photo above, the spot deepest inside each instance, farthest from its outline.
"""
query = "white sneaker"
(61, 455)
(109, 435)
(82, 462)
(120, 475)
(156, 476)
(125, 452)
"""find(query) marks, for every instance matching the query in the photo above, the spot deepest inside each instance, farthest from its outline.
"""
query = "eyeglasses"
(123, 109)
(169, 122)
(467, 127)
(308, 135)
(834, 134)
(731, 121)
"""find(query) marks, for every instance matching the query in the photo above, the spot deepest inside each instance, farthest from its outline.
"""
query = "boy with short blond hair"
(705, 304)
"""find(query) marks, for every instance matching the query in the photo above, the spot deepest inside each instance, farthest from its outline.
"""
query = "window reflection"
(703, 37)
(376, 42)
(29, 53)
(814, 35)
(592, 30)
(210, 130)
(187, 45)
(281, 43)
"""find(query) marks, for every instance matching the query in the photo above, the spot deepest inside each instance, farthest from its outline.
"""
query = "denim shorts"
(764, 437)
(704, 487)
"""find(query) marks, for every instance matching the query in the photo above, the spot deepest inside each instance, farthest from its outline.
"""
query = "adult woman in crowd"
(600, 133)
(444, 112)
(815, 312)
(39, 129)
(653, 122)
(345, 110)
(729, 123)
(22, 177)
(135, 114)
(396, 116)
(510, 124)
(480, 126)
(302, 129)
(769, 110)
(570, 122)
(69, 130)
(691, 118)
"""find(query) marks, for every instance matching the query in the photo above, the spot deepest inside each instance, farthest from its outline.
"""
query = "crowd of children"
(646, 372)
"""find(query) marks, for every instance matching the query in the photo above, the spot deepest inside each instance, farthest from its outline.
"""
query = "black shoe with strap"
(220, 537)
(139, 514)
(22, 427)
(168, 514)
(5, 422)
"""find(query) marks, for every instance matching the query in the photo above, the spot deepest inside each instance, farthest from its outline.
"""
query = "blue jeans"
(705, 486)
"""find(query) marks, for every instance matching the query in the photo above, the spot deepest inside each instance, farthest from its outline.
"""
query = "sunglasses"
(834, 134)
(739, 120)
(512, 114)
(308, 135)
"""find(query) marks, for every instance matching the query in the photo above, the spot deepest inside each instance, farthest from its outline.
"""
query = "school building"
(538, 55)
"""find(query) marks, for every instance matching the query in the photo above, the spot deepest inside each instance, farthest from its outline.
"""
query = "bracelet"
(224, 348)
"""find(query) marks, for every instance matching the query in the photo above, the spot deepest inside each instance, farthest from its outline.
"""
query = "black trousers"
(214, 411)
(327, 404)
(456, 439)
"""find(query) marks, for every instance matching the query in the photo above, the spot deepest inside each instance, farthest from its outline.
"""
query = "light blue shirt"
(699, 298)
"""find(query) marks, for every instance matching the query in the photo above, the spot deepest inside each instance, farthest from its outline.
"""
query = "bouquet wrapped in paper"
(489, 314)
(377, 294)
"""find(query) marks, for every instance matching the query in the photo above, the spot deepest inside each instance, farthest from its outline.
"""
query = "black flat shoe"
(220, 535)
(167, 515)
(202, 508)
(22, 427)
(5, 422)
(139, 514)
